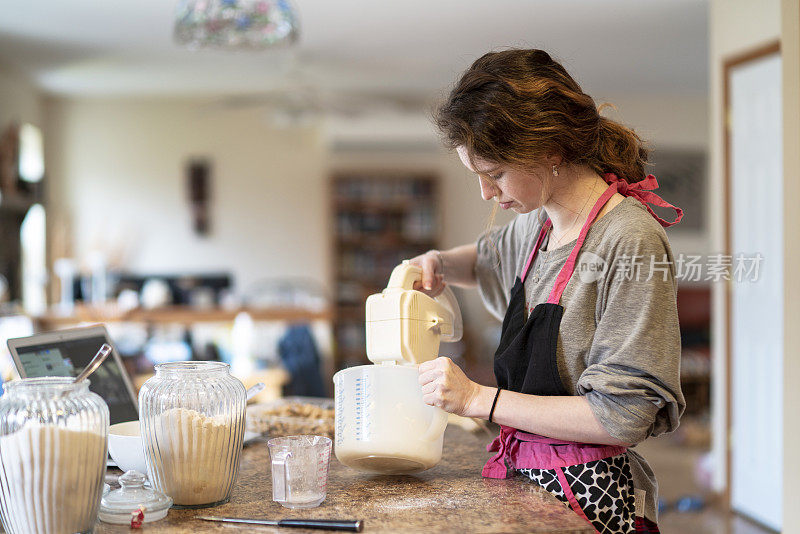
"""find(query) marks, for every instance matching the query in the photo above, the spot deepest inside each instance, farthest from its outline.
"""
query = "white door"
(757, 313)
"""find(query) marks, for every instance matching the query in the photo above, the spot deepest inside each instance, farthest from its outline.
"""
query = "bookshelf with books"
(379, 219)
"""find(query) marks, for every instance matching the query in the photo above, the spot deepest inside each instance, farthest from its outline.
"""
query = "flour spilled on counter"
(405, 503)
(51, 478)
(197, 456)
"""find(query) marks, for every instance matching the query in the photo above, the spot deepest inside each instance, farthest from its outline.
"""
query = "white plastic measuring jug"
(382, 424)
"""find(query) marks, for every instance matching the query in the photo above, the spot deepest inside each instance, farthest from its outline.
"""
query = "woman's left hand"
(445, 385)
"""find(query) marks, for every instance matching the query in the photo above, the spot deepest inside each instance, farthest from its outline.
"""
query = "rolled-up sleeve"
(632, 379)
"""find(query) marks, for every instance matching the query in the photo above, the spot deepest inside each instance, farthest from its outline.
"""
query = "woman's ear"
(554, 159)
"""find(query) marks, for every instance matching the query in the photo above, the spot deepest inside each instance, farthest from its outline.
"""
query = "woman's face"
(512, 188)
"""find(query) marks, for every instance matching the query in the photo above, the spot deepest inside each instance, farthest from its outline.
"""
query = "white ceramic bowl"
(125, 446)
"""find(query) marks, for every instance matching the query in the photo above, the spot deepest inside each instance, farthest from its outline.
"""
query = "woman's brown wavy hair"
(518, 106)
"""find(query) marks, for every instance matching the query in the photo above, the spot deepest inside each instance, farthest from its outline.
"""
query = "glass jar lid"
(46, 387)
(117, 506)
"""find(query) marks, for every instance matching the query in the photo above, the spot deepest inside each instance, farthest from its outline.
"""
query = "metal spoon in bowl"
(99, 358)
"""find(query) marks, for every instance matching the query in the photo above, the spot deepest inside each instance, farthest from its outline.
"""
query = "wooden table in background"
(185, 315)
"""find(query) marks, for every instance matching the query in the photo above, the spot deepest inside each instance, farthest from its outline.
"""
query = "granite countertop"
(449, 497)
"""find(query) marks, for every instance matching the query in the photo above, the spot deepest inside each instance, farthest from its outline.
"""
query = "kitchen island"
(451, 497)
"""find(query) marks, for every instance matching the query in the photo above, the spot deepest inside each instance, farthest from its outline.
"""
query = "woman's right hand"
(432, 283)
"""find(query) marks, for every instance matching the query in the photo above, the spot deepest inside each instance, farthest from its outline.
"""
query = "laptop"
(66, 353)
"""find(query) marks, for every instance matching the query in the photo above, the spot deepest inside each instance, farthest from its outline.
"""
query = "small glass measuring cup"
(299, 470)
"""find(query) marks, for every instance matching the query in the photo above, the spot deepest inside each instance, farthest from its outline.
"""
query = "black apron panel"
(542, 376)
(525, 360)
(514, 319)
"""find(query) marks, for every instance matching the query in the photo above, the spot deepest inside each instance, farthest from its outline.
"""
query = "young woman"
(583, 278)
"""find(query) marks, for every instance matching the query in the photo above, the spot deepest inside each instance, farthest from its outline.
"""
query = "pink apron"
(525, 360)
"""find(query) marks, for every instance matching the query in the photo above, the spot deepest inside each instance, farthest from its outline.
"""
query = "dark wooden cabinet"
(379, 219)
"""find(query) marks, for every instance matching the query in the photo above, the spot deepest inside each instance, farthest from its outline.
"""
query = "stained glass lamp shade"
(235, 24)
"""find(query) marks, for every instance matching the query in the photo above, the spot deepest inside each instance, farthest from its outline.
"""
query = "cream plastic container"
(382, 424)
(405, 326)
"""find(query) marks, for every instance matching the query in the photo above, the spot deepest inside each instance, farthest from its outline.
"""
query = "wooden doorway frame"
(729, 65)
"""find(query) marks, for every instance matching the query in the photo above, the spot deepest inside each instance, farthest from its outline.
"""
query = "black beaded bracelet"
(491, 412)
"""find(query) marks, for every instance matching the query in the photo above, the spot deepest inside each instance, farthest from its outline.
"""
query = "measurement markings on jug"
(340, 425)
(363, 399)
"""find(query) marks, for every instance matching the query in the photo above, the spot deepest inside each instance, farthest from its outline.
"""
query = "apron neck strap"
(641, 190)
(607, 194)
(566, 271)
(543, 232)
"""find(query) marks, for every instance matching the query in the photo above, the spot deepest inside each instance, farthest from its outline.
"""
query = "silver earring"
(555, 170)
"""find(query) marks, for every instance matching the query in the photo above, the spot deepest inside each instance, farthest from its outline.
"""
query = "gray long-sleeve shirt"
(619, 341)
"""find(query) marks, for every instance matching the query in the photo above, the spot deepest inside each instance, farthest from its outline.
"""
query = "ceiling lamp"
(235, 24)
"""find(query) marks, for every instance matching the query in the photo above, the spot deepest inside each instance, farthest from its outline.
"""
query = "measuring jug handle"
(280, 492)
(437, 426)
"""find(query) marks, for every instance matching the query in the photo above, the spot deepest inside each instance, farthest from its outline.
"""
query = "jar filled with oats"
(53, 435)
(192, 417)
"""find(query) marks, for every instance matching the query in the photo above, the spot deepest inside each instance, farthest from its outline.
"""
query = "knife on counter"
(349, 525)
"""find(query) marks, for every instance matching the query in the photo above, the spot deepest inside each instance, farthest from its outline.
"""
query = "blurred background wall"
(270, 208)
(20, 99)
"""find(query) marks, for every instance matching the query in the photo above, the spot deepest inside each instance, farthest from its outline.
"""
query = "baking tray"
(291, 416)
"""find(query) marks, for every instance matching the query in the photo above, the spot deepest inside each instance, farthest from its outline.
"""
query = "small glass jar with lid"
(118, 505)
(53, 450)
(192, 417)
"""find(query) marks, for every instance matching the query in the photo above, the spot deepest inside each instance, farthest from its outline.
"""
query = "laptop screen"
(68, 357)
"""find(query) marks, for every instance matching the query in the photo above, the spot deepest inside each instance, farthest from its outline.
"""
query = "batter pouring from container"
(583, 278)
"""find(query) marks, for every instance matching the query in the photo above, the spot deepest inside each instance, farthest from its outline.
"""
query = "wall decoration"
(199, 189)
(682, 180)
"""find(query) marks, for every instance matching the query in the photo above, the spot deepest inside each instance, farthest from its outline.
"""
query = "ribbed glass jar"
(53, 447)
(192, 420)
